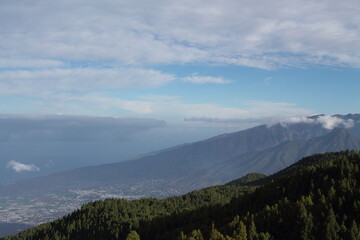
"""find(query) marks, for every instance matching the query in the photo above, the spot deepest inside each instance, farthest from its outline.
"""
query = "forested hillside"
(317, 198)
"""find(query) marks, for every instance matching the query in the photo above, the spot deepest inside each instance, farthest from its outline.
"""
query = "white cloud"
(265, 34)
(29, 63)
(194, 78)
(154, 107)
(98, 102)
(276, 110)
(259, 112)
(330, 122)
(177, 109)
(161, 106)
(289, 114)
(294, 120)
(69, 90)
(21, 167)
(181, 110)
(79, 79)
(327, 121)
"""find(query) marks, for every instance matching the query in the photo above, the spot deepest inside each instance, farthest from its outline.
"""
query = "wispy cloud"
(21, 167)
(259, 112)
(195, 78)
(79, 79)
(29, 63)
(267, 81)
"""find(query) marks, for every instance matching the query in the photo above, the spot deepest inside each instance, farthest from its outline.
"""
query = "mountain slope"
(317, 200)
(276, 158)
(172, 163)
(336, 140)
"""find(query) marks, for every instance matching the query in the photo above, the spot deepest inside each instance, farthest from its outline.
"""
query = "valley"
(33, 210)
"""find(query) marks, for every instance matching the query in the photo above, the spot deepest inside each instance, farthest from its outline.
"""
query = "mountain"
(173, 171)
(273, 159)
(174, 162)
(316, 198)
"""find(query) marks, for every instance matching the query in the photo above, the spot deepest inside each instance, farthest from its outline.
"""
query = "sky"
(185, 70)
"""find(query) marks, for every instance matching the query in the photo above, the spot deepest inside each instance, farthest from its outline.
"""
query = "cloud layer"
(21, 167)
(138, 32)
(72, 128)
(326, 121)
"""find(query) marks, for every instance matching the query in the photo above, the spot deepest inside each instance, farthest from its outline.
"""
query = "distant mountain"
(263, 149)
(276, 158)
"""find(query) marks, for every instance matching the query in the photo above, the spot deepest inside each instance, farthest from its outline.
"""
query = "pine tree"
(252, 234)
(305, 223)
(240, 232)
(331, 227)
(354, 231)
(182, 236)
(263, 236)
(133, 235)
(216, 235)
(196, 235)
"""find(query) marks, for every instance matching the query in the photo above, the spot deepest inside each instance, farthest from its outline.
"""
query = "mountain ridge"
(282, 155)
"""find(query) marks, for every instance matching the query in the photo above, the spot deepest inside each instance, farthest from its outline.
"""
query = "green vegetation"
(317, 198)
(248, 179)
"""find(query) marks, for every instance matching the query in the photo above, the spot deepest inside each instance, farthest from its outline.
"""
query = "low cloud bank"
(72, 128)
(21, 167)
(327, 121)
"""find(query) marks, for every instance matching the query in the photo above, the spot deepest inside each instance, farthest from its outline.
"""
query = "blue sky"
(174, 60)
(162, 73)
